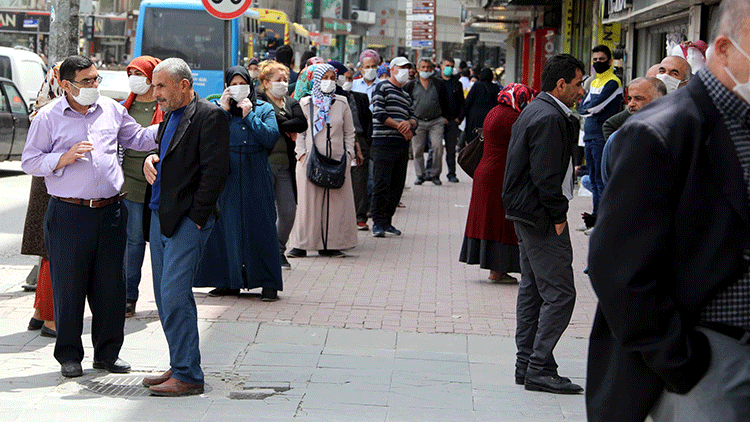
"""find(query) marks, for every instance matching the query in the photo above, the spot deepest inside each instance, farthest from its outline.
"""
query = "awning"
(656, 10)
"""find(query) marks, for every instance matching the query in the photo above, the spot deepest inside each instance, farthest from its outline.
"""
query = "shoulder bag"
(471, 154)
(322, 170)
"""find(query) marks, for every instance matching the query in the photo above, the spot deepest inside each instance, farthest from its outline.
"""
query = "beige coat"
(310, 219)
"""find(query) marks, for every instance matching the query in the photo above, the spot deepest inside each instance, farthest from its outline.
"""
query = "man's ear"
(720, 51)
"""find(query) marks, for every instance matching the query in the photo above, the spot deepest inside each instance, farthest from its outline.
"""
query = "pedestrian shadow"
(21, 383)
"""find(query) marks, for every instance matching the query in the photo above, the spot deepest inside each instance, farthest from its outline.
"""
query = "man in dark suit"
(536, 197)
(187, 177)
(669, 257)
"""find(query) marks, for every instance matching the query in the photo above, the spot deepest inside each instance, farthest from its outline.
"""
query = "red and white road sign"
(226, 9)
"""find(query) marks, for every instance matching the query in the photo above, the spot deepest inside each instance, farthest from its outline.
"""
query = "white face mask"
(239, 92)
(347, 86)
(327, 86)
(670, 81)
(370, 74)
(402, 75)
(279, 89)
(254, 73)
(741, 89)
(341, 80)
(425, 75)
(86, 96)
(138, 84)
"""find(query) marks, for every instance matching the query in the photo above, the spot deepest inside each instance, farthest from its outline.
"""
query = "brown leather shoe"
(175, 388)
(149, 381)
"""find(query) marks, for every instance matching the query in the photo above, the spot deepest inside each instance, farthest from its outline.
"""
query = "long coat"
(481, 99)
(33, 228)
(313, 215)
(666, 241)
(486, 219)
(243, 248)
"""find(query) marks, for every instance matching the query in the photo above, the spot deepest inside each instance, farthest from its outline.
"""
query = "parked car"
(14, 121)
(25, 69)
(114, 84)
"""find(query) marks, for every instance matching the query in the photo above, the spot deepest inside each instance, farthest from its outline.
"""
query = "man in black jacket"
(187, 177)
(536, 200)
(669, 257)
(430, 103)
(456, 101)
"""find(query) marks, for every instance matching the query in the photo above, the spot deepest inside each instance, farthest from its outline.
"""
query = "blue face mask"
(448, 71)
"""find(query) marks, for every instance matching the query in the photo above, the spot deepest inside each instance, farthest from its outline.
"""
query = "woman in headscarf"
(243, 249)
(325, 220)
(33, 229)
(274, 78)
(482, 97)
(490, 240)
(142, 106)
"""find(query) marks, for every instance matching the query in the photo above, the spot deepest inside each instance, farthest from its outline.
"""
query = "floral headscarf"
(382, 69)
(49, 91)
(304, 82)
(320, 99)
(516, 96)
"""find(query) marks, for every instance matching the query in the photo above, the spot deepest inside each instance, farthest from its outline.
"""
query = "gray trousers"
(435, 128)
(723, 394)
(360, 179)
(286, 207)
(546, 296)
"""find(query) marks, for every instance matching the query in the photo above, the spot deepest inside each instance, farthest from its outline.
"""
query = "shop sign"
(616, 6)
(568, 27)
(544, 42)
(24, 21)
(109, 27)
(336, 26)
(609, 35)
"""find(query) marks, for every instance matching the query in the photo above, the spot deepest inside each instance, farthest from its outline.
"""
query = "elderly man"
(640, 92)
(370, 60)
(187, 176)
(669, 259)
(393, 125)
(675, 72)
(73, 143)
(430, 104)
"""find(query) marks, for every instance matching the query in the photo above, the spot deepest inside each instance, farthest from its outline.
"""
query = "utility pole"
(63, 31)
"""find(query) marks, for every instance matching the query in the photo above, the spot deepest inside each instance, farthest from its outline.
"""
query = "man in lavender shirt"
(72, 143)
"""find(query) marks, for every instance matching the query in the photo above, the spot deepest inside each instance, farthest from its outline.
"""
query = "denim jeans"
(135, 250)
(175, 262)
(594, 149)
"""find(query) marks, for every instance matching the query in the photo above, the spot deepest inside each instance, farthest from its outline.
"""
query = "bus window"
(192, 35)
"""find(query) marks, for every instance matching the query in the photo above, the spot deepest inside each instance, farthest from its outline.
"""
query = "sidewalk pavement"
(398, 330)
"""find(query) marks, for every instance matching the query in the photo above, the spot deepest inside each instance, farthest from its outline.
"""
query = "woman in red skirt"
(490, 240)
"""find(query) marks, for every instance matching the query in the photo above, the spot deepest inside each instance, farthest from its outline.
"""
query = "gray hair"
(656, 84)
(177, 69)
(733, 14)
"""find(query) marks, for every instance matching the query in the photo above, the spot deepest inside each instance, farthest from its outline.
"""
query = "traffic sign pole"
(226, 10)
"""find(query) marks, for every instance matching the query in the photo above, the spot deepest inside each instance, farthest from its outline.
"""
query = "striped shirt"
(731, 306)
(391, 101)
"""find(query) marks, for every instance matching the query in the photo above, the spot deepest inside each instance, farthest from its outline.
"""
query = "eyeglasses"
(88, 81)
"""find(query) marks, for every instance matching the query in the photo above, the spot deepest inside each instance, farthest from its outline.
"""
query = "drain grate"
(116, 385)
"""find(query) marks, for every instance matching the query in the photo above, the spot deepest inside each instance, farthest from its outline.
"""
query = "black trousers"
(86, 249)
(389, 176)
(360, 176)
(546, 296)
(451, 140)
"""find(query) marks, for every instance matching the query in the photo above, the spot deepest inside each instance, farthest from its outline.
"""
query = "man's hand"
(75, 152)
(358, 154)
(224, 100)
(560, 227)
(403, 127)
(149, 168)
(246, 105)
(408, 135)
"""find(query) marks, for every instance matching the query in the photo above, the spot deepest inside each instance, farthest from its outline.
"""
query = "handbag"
(471, 154)
(322, 170)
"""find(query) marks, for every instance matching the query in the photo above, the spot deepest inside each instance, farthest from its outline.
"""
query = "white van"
(25, 69)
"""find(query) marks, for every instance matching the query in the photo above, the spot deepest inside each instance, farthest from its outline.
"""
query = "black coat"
(670, 233)
(454, 85)
(541, 143)
(195, 166)
(442, 92)
(481, 99)
(290, 120)
(363, 108)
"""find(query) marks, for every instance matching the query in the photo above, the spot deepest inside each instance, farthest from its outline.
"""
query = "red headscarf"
(146, 65)
(516, 96)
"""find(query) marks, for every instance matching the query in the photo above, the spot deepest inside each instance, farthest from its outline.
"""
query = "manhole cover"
(115, 385)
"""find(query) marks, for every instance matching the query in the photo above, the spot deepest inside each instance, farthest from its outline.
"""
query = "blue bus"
(184, 29)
